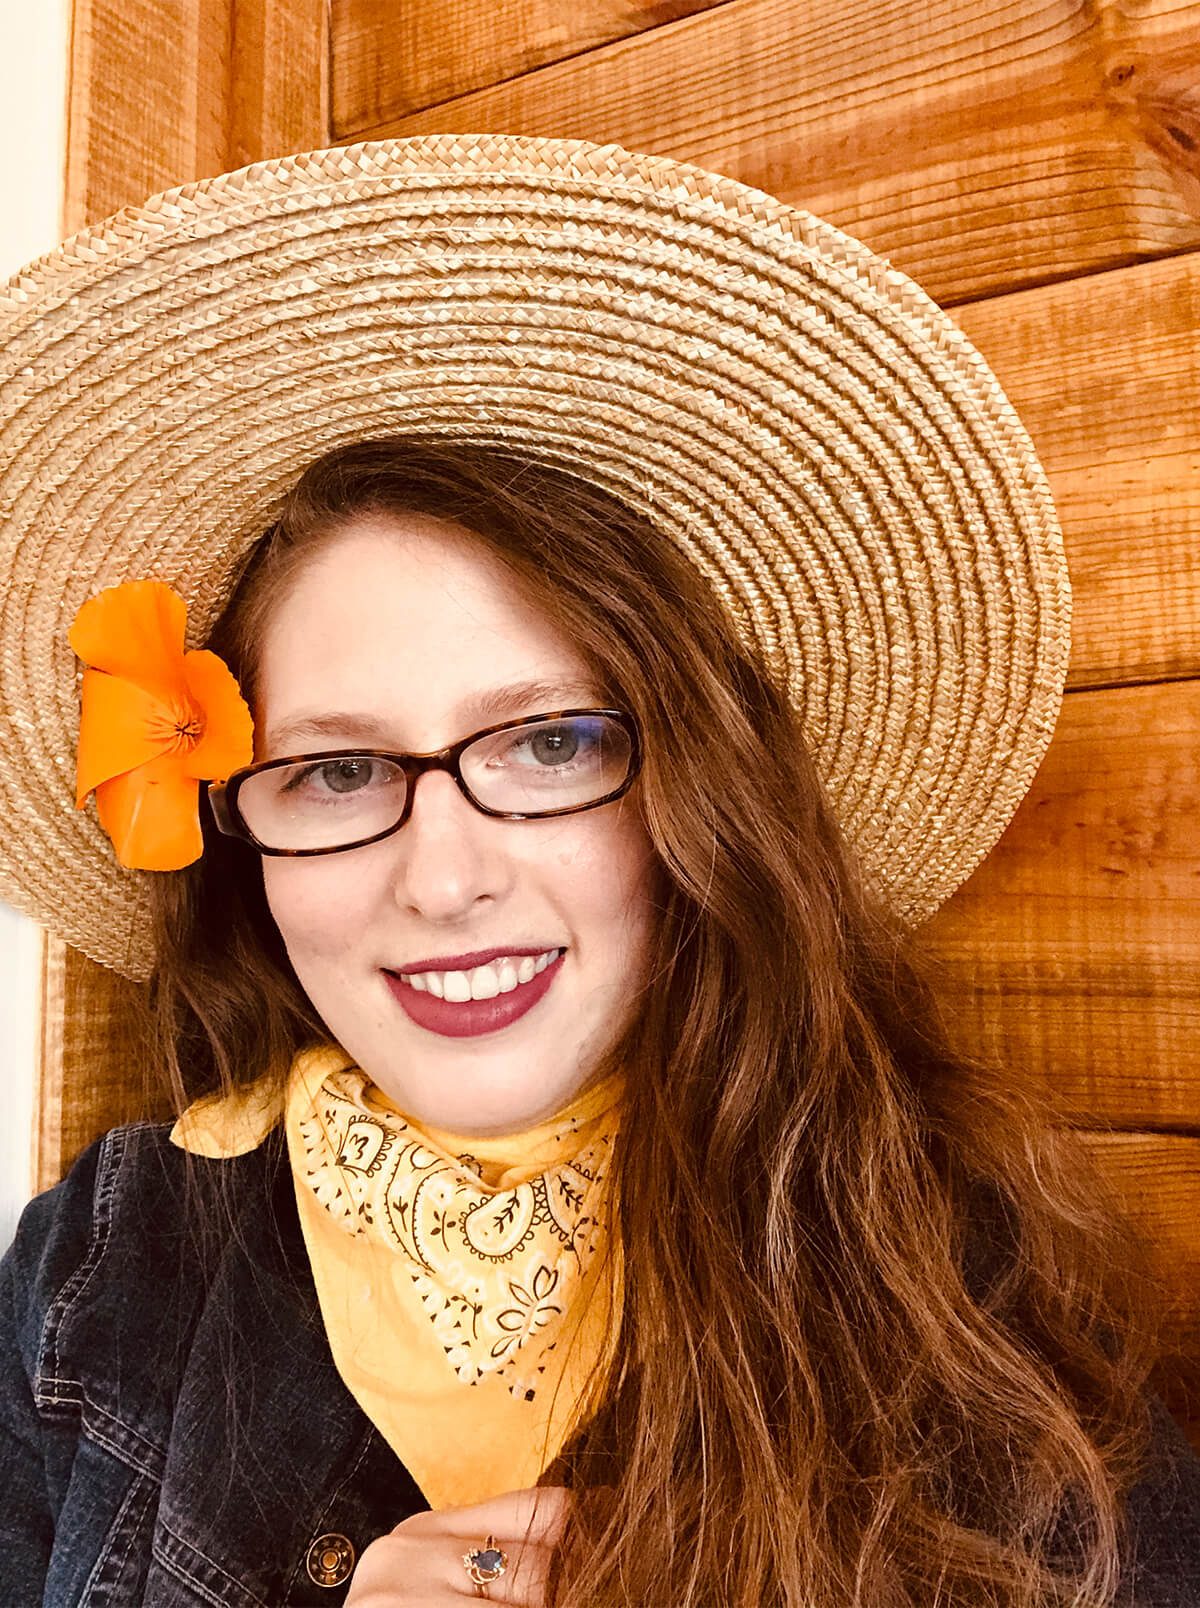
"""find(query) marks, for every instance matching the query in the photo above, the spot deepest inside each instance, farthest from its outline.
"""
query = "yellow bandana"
(462, 1281)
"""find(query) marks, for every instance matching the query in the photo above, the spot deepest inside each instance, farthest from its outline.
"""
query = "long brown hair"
(874, 1352)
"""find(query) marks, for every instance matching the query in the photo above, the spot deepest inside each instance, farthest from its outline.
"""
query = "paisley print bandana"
(464, 1282)
(495, 1252)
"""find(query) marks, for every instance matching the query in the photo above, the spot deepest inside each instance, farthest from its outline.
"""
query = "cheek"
(315, 906)
(614, 875)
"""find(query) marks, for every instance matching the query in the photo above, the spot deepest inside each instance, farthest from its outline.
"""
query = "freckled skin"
(402, 620)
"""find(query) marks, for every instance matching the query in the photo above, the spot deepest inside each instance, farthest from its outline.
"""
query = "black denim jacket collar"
(203, 1366)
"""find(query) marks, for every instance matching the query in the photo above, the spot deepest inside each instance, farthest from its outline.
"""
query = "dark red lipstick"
(477, 957)
(471, 1017)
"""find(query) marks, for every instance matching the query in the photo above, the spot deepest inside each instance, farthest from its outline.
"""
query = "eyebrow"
(482, 708)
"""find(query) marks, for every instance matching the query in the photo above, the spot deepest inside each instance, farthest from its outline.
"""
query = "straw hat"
(796, 414)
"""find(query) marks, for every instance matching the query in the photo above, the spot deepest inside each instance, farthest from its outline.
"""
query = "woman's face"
(404, 633)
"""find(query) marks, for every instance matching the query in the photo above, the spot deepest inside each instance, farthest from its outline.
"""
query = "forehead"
(408, 621)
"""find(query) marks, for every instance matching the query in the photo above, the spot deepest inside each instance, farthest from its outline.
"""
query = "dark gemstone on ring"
(488, 1558)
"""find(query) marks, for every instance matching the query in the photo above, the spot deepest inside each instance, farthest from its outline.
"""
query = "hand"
(419, 1563)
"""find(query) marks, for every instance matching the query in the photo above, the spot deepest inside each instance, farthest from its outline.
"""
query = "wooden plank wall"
(1035, 164)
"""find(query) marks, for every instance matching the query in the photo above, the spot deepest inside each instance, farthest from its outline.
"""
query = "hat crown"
(796, 414)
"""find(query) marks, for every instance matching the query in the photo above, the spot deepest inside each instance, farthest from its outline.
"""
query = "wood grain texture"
(163, 92)
(279, 95)
(147, 101)
(1105, 374)
(390, 60)
(92, 1075)
(982, 148)
(1072, 954)
(1084, 110)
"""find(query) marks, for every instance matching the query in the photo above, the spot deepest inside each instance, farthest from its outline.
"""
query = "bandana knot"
(495, 1267)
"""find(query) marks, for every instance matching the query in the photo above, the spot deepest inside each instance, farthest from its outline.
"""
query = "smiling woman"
(576, 1197)
(363, 625)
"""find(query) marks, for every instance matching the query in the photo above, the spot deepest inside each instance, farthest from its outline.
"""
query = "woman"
(684, 1261)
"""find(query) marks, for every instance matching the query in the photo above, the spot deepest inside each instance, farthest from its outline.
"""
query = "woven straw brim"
(796, 414)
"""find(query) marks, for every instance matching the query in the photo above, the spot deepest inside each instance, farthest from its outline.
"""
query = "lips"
(477, 957)
(469, 1018)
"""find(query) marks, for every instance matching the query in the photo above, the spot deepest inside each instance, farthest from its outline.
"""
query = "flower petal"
(152, 815)
(120, 725)
(135, 631)
(227, 739)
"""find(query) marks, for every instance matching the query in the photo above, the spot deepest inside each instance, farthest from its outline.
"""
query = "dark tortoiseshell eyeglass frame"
(223, 796)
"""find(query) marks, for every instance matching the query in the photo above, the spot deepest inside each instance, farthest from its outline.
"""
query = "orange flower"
(155, 721)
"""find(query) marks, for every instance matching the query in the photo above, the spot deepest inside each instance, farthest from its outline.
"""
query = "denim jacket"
(173, 1431)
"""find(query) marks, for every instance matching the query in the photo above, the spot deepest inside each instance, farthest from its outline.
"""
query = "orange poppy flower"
(154, 722)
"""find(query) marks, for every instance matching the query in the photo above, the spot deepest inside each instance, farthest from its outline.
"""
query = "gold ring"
(485, 1563)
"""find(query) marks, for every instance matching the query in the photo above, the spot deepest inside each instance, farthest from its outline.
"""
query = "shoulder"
(1163, 1515)
(1162, 1510)
(131, 1232)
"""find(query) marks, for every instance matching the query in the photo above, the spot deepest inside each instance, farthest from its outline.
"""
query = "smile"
(499, 976)
(463, 1004)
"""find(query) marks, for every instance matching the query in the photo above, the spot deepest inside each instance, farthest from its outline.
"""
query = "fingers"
(537, 1514)
(421, 1561)
(525, 1526)
(404, 1569)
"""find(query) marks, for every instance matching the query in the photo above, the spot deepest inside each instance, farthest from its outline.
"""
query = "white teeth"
(484, 982)
(499, 976)
(506, 973)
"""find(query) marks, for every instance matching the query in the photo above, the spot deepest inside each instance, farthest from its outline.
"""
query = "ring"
(485, 1563)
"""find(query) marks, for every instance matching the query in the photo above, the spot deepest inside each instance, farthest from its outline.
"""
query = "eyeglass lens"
(531, 770)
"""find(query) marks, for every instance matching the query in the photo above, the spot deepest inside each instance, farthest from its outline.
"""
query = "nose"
(449, 857)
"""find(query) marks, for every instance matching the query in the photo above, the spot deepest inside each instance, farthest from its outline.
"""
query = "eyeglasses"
(552, 764)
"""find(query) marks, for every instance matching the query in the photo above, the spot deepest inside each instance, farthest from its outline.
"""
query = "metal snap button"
(330, 1560)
